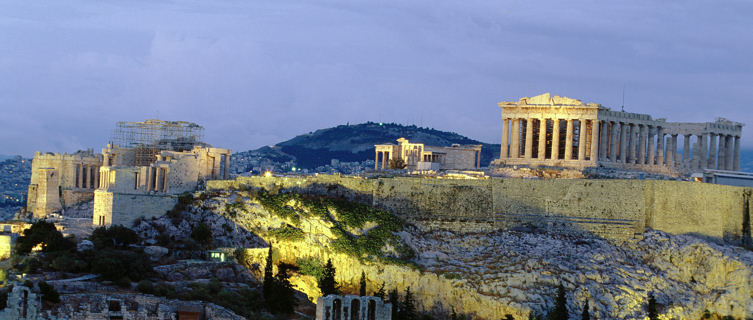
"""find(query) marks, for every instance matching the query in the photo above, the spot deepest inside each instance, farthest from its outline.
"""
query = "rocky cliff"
(491, 275)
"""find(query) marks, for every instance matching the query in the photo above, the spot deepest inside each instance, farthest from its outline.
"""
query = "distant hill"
(349, 143)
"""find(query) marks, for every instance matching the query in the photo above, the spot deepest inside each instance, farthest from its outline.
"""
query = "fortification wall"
(123, 208)
(613, 209)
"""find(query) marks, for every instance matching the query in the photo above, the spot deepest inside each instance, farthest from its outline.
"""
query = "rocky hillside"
(350, 143)
(490, 275)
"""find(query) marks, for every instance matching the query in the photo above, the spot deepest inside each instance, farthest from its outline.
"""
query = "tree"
(408, 311)
(396, 163)
(202, 234)
(114, 265)
(585, 315)
(380, 293)
(113, 237)
(49, 293)
(362, 290)
(45, 234)
(327, 284)
(560, 305)
(652, 312)
(282, 293)
(394, 299)
(268, 283)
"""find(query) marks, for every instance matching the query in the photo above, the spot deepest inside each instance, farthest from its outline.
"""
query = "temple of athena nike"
(558, 131)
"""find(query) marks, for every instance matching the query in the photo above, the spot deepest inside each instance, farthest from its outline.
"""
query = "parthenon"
(558, 131)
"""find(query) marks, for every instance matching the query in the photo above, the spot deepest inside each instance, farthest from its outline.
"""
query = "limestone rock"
(155, 252)
(85, 245)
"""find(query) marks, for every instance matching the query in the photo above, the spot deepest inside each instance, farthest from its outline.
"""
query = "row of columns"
(549, 139)
(87, 176)
(157, 179)
(385, 160)
(635, 143)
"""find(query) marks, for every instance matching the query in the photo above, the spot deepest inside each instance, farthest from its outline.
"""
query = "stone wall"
(123, 208)
(613, 209)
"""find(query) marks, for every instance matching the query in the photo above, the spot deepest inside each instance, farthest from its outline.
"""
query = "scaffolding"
(152, 136)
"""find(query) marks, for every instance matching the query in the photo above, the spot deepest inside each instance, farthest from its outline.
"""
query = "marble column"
(686, 157)
(660, 146)
(712, 151)
(643, 135)
(633, 140)
(569, 140)
(529, 139)
(730, 152)
(158, 178)
(505, 139)
(671, 151)
(515, 140)
(80, 180)
(542, 139)
(225, 173)
(555, 139)
(582, 134)
(88, 170)
(623, 142)
(603, 141)
(376, 160)
(703, 150)
(722, 159)
(674, 152)
(96, 177)
(594, 155)
(651, 145)
(736, 155)
(613, 141)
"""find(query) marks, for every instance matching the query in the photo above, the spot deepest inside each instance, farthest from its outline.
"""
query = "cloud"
(255, 73)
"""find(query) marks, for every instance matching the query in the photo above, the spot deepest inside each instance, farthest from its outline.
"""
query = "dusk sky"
(255, 73)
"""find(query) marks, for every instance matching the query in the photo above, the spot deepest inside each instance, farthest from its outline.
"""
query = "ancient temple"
(558, 131)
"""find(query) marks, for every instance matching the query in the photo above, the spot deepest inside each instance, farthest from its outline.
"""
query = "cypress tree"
(395, 301)
(560, 305)
(268, 284)
(585, 315)
(327, 283)
(409, 306)
(283, 295)
(380, 293)
(362, 291)
(652, 313)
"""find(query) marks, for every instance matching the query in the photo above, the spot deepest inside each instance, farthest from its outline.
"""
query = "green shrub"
(115, 264)
(311, 267)
(45, 234)
(49, 293)
(164, 290)
(287, 232)
(4, 296)
(145, 286)
(202, 234)
(116, 236)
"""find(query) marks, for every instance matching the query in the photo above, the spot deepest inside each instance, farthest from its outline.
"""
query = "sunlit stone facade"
(558, 131)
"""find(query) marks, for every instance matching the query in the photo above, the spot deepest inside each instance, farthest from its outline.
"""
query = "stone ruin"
(418, 156)
(143, 169)
(352, 307)
(563, 132)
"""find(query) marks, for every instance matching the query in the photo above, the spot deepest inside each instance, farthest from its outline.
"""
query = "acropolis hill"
(463, 236)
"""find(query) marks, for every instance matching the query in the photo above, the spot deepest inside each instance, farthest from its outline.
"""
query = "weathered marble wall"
(121, 208)
(613, 209)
